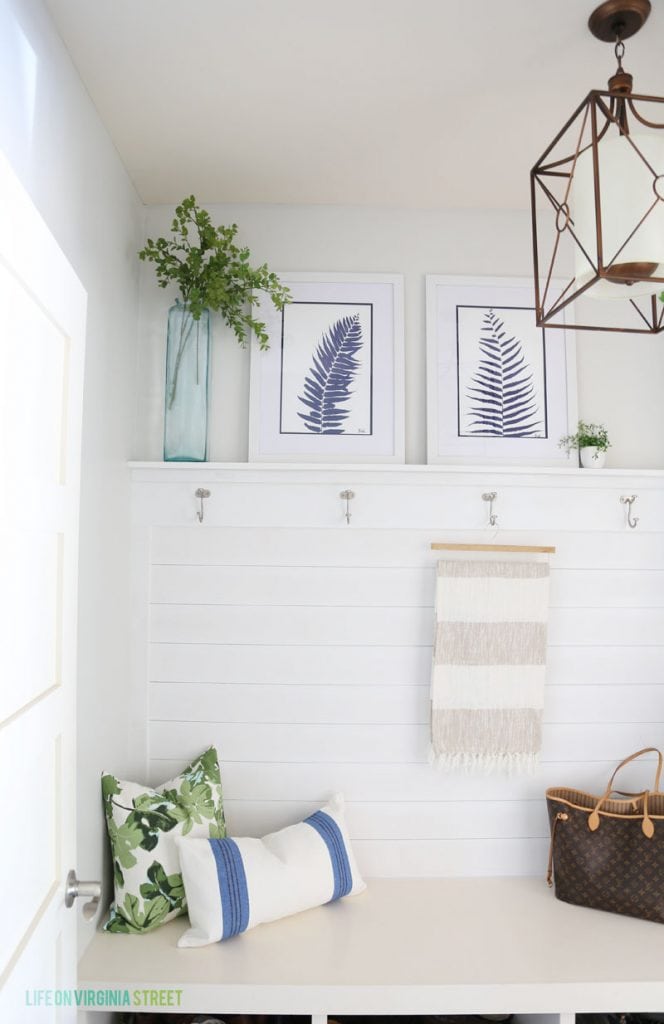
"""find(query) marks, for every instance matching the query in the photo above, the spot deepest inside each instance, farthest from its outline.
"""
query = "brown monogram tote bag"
(607, 853)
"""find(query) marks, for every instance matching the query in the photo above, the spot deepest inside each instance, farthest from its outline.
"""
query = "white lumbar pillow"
(235, 884)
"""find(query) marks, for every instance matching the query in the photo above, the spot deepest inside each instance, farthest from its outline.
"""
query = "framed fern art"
(330, 386)
(499, 388)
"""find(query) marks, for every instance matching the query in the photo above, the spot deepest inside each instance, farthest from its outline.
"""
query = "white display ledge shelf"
(425, 946)
(311, 472)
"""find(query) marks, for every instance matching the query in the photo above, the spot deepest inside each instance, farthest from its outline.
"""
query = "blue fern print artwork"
(328, 386)
(502, 398)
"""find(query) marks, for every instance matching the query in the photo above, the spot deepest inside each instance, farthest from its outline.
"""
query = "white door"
(42, 332)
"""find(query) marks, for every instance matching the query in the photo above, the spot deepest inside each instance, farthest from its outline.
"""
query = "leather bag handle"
(646, 824)
(633, 757)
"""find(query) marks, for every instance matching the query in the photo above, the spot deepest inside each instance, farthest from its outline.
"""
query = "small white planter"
(592, 458)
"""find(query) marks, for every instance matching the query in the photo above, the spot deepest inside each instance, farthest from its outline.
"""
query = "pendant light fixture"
(597, 196)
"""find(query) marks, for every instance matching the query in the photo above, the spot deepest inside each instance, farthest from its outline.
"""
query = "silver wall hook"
(347, 497)
(201, 494)
(491, 496)
(628, 500)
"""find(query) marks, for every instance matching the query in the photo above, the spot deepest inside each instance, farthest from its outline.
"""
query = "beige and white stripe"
(489, 664)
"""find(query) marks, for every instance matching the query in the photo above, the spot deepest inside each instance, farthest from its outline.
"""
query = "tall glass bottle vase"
(186, 404)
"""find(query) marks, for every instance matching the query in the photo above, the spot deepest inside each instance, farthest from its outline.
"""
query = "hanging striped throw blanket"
(489, 665)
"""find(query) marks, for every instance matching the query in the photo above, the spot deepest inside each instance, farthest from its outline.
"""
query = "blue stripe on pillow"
(330, 833)
(232, 886)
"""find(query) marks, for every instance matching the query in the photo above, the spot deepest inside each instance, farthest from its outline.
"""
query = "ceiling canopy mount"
(618, 19)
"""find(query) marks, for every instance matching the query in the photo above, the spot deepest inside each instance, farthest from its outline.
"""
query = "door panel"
(31, 587)
(41, 356)
(30, 793)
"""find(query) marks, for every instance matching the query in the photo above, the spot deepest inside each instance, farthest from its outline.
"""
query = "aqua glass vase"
(186, 399)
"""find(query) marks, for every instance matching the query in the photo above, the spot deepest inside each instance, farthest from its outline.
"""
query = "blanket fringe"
(484, 764)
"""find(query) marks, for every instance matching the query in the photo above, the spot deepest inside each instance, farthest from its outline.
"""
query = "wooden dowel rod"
(525, 548)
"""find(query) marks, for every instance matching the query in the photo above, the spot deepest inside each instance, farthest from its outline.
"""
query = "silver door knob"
(75, 889)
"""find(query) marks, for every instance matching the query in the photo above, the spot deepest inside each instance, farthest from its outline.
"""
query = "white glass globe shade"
(628, 188)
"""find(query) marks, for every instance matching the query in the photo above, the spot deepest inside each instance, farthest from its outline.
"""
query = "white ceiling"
(413, 103)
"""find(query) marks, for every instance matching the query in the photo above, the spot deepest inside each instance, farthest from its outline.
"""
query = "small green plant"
(588, 435)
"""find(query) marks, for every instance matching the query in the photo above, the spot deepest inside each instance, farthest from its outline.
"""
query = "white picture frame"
(345, 329)
(481, 331)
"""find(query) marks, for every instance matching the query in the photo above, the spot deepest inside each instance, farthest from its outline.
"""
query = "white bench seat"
(488, 945)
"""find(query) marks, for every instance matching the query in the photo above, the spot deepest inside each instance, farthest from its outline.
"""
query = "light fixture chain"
(619, 51)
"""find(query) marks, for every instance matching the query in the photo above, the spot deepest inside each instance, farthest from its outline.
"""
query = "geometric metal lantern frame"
(597, 200)
(562, 251)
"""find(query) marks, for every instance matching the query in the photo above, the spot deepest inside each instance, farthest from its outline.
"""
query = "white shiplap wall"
(301, 646)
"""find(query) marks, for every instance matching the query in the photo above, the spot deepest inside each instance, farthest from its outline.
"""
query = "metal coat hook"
(347, 497)
(201, 494)
(628, 500)
(491, 496)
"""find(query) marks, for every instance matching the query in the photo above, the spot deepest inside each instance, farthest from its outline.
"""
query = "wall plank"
(226, 702)
(404, 548)
(361, 626)
(292, 585)
(274, 663)
(325, 585)
(410, 858)
(418, 821)
(529, 504)
(399, 705)
(395, 783)
(190, 624)
(368, 743)
(366, 666)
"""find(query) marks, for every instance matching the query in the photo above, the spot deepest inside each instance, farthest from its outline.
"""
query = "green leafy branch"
(213, 272)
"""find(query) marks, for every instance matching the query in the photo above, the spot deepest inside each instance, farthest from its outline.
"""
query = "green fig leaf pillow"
(142, 826)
